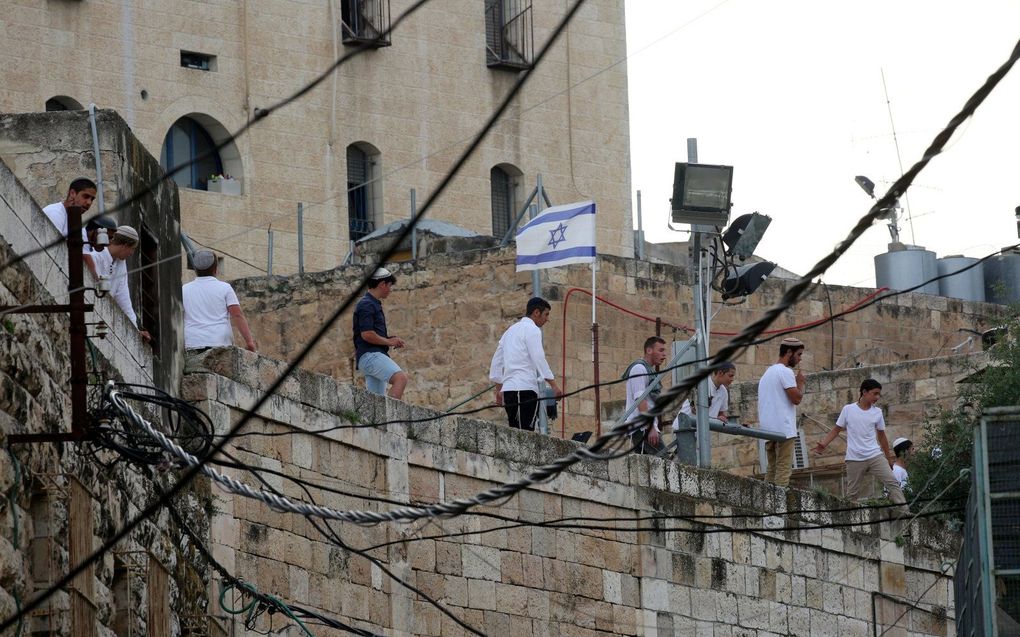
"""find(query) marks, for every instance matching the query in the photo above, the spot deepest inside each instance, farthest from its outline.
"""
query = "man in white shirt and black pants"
(518, 364)
(779, 393)
(210, 307)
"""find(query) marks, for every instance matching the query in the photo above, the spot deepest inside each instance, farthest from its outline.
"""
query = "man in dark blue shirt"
(372, 342)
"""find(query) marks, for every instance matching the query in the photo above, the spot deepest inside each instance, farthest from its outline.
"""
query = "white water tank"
(968, 285)
(905, 266)
(1002, 278)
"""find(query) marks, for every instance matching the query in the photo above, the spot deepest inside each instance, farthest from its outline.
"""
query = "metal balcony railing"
(360, 228)
(365, 22)
(509, 34)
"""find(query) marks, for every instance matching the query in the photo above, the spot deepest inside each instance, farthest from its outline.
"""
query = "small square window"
(198, 61)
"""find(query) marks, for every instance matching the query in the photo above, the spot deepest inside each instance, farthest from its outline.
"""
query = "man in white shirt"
(639, 375)
(111, 264)
(867, 447)
(718, 395)
(80, 195)
(210, 307)
(779, 393)
(519, 363)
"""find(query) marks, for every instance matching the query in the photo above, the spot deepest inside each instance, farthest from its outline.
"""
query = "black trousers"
(641, 444)
(521, 408)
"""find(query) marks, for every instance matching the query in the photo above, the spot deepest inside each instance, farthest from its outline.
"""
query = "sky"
(790, 93)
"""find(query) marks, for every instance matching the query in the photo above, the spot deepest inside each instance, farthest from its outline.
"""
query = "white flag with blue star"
(558, 236)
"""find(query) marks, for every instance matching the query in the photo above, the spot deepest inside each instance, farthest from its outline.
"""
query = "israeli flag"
(558, 236)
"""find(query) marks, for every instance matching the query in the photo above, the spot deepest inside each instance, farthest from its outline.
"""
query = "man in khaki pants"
(867, 446)
(779, 393)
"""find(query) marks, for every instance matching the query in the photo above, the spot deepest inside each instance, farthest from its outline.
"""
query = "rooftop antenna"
(892, 124)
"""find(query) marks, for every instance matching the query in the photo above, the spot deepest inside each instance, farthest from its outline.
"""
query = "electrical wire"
(257, 598)
(522, 78)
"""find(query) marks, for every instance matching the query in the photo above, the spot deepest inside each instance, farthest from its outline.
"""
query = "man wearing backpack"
(639, 375)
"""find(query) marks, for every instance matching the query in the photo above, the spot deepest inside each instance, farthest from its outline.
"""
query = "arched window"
(363, 191)
(62, 103)
(504, 180)
(186, 140)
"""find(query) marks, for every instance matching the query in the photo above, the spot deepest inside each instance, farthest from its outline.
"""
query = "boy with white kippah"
(111, 264)
(779, 393)
(210, 307)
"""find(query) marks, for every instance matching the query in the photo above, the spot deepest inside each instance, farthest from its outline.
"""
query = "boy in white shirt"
(867, 447)
(903, 448)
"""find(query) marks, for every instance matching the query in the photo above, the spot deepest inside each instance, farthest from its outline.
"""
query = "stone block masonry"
(452, 308)
(632, 546)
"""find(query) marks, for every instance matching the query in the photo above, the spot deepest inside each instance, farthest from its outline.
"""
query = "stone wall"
(64, 499)
(45, 152)
(528, 566)
(451, 310)
(415, 102)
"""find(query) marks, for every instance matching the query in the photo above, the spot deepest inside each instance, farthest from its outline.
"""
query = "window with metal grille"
(360, 192)
(509, 34)
(502, 201)
(148, 250)
(198, 61)
(365, 22)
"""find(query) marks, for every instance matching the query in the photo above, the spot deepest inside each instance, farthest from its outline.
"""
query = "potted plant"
(224, 184)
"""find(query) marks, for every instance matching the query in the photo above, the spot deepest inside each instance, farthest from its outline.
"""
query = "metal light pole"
(701, 321)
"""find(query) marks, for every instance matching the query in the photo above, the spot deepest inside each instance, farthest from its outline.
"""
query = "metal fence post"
(301, 238)
(269, 263)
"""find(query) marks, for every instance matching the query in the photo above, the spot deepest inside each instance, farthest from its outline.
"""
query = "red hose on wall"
(683, 328)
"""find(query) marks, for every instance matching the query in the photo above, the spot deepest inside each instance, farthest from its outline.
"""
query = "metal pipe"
(517, 220)
(640, 231)
(301, 238)
(99, 165)
(414, 226)
(76, 278)
(269, 263)
(595, 365)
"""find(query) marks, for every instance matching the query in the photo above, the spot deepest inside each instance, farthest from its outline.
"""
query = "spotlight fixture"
(745, 233)
(701, 194)
(746, 279)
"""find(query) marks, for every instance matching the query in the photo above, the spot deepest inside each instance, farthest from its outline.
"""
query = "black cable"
(662, 529)
(891, 294)
(331, 535)
(267, 601)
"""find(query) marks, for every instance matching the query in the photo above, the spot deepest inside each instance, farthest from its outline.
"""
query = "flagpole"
(536, 286)
(595, 355)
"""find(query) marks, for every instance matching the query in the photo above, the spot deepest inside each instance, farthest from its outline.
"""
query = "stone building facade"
(182, 74)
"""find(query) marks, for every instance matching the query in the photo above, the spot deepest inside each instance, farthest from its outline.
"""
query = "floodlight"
(866, 185)
(701, 194)
(746, 279)
(745, 233)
